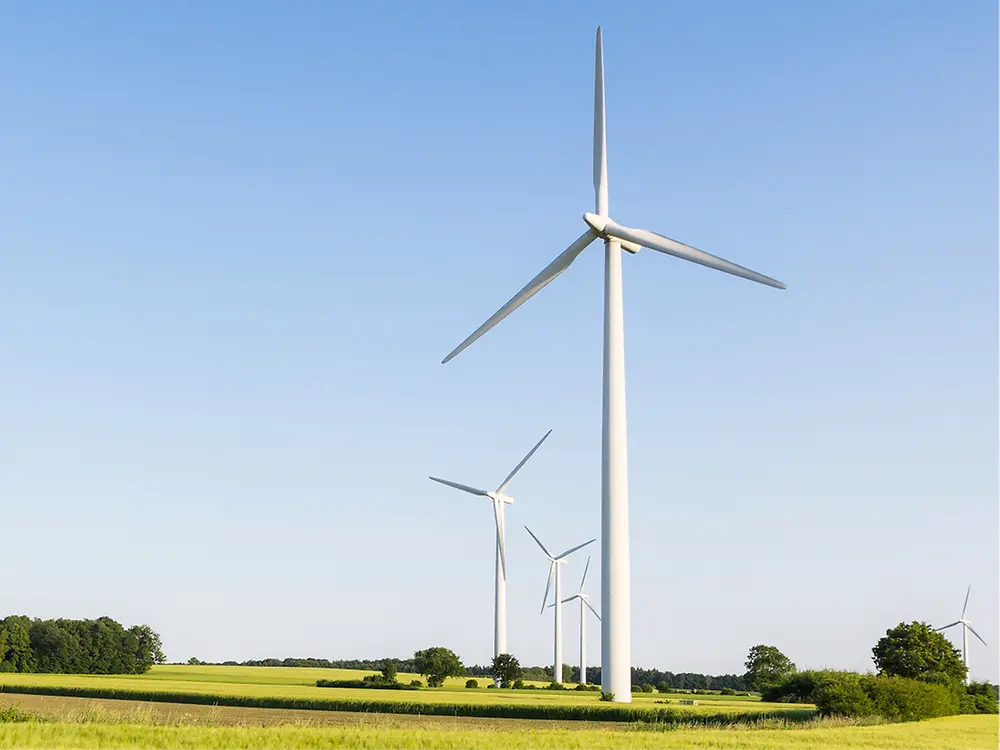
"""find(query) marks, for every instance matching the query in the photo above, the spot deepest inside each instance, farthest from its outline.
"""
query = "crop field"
(298, 684)
(62, 726)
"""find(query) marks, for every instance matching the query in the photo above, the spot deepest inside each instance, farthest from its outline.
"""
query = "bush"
(518, 684)
(14, 715)
(979, 698)
(491, 686)
(589, 687)
(370, 684)
(471, 684)
(903, 699)
(531, 686)
(607, 697)
(843, 696)
(727, 691)
(555, 686)
(646, 688)
(416, 683)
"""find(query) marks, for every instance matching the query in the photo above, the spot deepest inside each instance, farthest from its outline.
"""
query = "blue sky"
(238, 238)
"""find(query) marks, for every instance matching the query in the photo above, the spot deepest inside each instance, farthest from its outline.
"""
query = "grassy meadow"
(139, 728)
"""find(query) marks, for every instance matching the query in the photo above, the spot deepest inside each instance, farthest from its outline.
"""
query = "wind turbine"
(616, 638)
(499, 501)
(554, 563)
(966, 625)
(583, 621)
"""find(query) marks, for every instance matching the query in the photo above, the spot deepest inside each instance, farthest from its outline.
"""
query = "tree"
(766, 667)
(437, 663)
(506, 669)
(918, 652)
(389, 671)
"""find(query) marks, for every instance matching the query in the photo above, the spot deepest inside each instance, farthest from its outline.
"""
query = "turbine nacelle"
(506, 499)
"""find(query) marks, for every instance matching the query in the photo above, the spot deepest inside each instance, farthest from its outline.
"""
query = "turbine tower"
(966, 626)
(499, 501)
(554, 569)
(616, 631)
(584, 606)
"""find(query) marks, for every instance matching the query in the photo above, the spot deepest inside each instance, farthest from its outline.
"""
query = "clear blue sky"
(238, 238)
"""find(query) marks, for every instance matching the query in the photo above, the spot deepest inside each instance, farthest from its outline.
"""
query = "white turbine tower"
(966, 626)
(499, 501)
(616, 639)
(584, 606)
(554, 563)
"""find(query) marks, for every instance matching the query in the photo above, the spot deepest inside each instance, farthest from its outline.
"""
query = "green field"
(299, 683)
(952, 733)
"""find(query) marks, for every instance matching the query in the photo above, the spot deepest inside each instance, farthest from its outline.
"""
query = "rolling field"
(140, 729)
(298, 683)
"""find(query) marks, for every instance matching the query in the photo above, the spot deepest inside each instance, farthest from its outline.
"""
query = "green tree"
(766, 667)
(17, 656)
(437, 663)
(389, 670)
(918, 652)
(506, 669)
(148, 648)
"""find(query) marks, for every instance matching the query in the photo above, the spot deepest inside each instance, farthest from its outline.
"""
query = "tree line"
(101, 646)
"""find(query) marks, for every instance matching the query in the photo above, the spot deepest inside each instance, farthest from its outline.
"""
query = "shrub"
(555, 686)
(372, 682)
(491, 686)
(903, 699)
(14, 715)
(531, 686)
(646, 688)
(416, 683)
(843, 696)
(471, 684)
(588, 686)
(518, 684)
(607, 697)
(979, 698)
(727, 691)
(664, 687)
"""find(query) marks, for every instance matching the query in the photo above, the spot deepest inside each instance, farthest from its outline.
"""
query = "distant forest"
(100, 646)
(640, 676)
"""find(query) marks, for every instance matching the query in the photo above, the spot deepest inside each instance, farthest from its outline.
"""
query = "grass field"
(299, 683)
(140, 729)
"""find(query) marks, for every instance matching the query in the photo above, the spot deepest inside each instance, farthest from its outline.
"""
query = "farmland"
(65, 723)
(294, 687)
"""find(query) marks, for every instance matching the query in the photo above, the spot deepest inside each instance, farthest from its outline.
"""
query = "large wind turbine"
(616, 640)
(584, 606)
(554, 562)
(499, 501)
(966, 626)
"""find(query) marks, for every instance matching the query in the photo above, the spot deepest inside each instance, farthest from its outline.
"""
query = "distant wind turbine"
(966, 625)
(554, 562)
(499, 501)
(583, 621)
(616, 631)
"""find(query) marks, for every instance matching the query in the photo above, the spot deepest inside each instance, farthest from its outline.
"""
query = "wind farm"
(238, 243)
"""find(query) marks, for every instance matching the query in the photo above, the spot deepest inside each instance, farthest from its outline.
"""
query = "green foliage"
(644, 688)
(376, 683)
(518, 684)
(588, 687)
(436, 664)
(979, 698)
(100, 646)
(507, 669)
(472, 684)
(389, 670)
(14, 715)
(842, 694)
(416, 683)
(491, 686)
(607, 697)
(555, 686)
(918, 652)
(800, 687)
(892, 698)
(766, 667)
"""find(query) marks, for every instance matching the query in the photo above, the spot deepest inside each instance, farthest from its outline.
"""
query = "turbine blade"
(548, 584)
(571, 550)
(951, 625)
(500, 540)
(585, 570)
(547, 274)
(600, 136)
(976, 634)
(575, 596)
(966, 605)
(547, 553)
(523, 462)
(463, 487)
(596, 613)
(686, 252)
